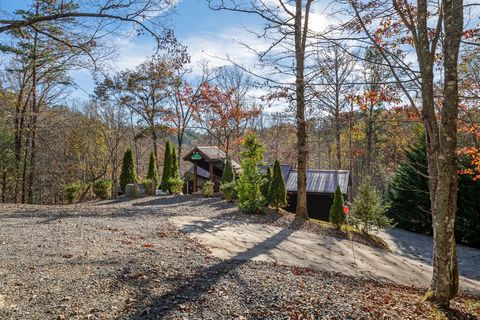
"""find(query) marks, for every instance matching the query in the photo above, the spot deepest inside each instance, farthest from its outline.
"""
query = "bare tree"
(286, 28)
(335, 83)
(145, 91)
(84, 25)
(184, 100)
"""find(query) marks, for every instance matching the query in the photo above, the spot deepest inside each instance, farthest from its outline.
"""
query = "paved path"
(248, 241)
(419, 247)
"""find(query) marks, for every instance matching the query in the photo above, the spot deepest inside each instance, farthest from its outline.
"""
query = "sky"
(208, 35)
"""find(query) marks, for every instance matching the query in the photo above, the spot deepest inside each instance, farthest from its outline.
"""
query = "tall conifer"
(277, 193)
(128, 170)
(166, 166)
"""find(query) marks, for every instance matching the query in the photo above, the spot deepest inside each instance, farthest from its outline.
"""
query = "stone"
(160, 193)
(131, 190)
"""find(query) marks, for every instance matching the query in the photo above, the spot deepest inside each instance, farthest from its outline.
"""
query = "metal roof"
(320, 181)
(212, 153)
(285, 168)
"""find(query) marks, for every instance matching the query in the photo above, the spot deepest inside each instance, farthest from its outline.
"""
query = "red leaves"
(221, 112)
(473, 33)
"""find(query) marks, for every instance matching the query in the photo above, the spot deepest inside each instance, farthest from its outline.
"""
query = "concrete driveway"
(408, 264)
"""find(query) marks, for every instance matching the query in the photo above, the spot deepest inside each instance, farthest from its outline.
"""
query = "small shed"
(321, 186)
(208, 163)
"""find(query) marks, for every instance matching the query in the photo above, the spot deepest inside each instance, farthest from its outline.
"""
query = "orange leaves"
(371, 98)
(473, 154)
(473, 167)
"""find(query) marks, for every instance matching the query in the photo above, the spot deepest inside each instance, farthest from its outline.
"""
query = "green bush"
(175, 185)
(207, 189)
(229, 190)
(102, 188)
(337, 216)
(128, 173)
(73, 191)
(150, 186)
(250, 197)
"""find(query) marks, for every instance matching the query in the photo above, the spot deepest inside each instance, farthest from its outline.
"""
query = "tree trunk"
(19, 124)
(24, 172)
(4, 183)
(338, 142)
(445, 282)
(369, 134)
(300, 38)
(35, 109)
(180, 146)
(154, 138)
(114, 175)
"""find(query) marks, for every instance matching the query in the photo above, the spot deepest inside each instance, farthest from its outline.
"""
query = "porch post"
(210, 167)
(195, 176)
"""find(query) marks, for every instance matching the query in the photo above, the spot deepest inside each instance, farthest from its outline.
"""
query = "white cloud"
(218, 48)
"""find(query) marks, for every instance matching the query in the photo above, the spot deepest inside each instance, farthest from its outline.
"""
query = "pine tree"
(228, 175)
(337, 217)
(277, 193)
(368, 208)
(166, 166)
(266, 184)
(408, 191)
(174, 173)
(152, 173)
(250, 197)
(409, 196)
(128, 174)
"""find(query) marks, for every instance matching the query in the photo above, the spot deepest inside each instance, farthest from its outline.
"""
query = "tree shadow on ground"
(194, 287)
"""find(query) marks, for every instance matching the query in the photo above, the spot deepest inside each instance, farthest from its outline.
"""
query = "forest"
(387, 90)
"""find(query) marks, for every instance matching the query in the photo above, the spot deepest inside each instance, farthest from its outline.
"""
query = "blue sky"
(208, 34)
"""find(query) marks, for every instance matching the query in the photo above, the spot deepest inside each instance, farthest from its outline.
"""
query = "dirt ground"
(126, 260)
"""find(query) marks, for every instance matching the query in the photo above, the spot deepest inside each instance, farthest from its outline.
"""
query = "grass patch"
(351, 233)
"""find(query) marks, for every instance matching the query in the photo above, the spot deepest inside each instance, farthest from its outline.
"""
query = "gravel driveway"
(125, 260)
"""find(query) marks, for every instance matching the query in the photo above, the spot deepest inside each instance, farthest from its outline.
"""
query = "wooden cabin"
(208, 164)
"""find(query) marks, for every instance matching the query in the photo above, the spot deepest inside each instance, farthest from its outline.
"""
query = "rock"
(131, 190)
(160, 193)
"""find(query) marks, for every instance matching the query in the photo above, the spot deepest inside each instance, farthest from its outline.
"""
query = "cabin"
(208, 163)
